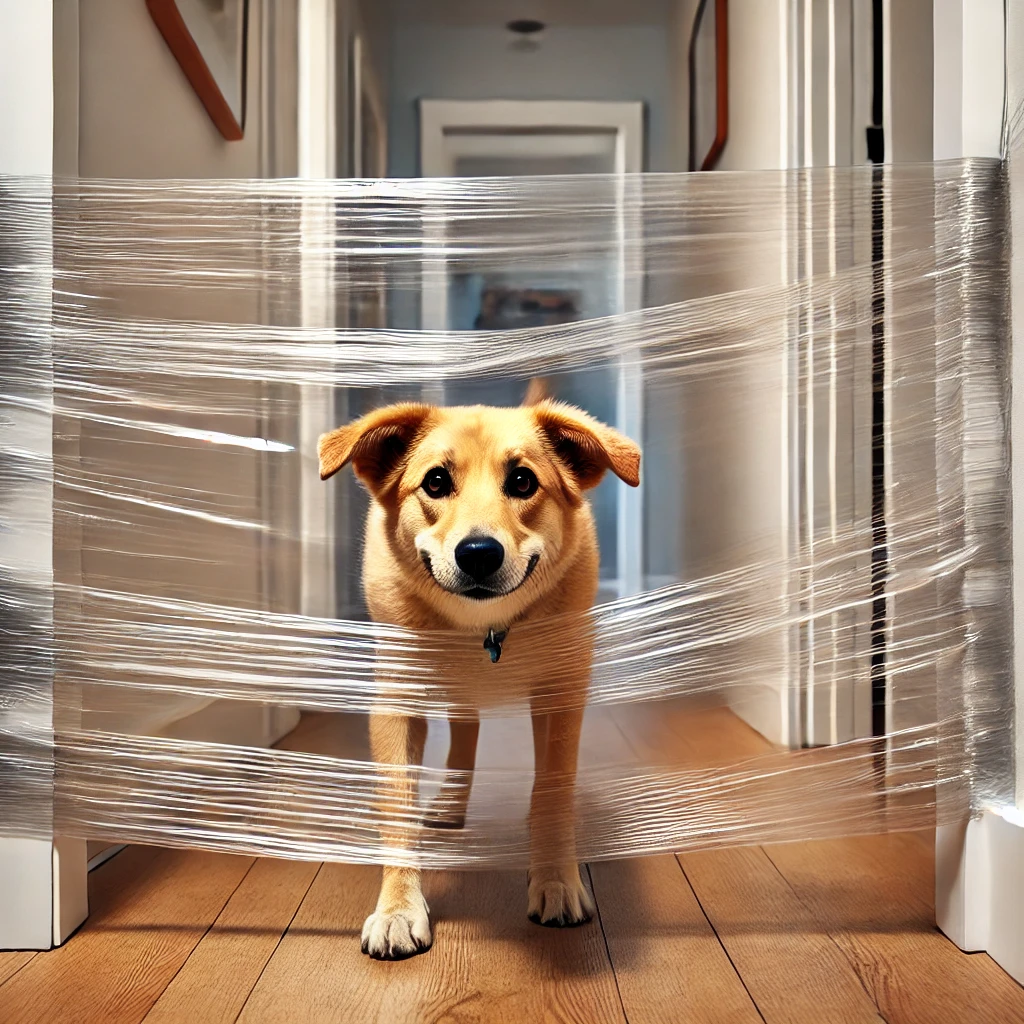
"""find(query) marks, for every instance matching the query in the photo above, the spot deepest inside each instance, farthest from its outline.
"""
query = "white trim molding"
(979, 886)
(318, 151)
(441, 121)
(970, 67)
(979, 863)
(43, 882)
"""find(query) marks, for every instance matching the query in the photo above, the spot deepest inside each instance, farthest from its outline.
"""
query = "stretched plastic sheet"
(802, 623)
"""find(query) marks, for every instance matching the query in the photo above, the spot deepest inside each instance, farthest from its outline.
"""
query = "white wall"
(759, 82)
(759, 129)
(626, 62)
(138, 115)
(26, 123)
(911, 72)
(744, 516)
(680, 25)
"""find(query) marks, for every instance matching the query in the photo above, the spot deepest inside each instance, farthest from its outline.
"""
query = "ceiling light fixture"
(526, 26)
(527, 33)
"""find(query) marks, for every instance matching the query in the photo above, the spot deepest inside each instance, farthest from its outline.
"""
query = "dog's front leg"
(400, 926)
(557, 896)
(448, 809)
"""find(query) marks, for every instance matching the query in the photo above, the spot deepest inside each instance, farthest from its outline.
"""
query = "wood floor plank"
(792, 968)
(714, 735)
(668, 963)
(686, 734)
(11, 963)
(859, 890)
(237, 947)
(149, 909)
(488, 963)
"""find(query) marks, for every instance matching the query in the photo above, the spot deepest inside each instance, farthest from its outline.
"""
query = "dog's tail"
(536, 391)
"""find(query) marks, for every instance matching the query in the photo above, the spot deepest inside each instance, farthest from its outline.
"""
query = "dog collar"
(493, 641)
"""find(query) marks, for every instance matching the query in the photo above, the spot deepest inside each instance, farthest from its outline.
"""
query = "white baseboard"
(26, 916)
(45, 891)
(979, 886)
(70, 887)
(765, 709)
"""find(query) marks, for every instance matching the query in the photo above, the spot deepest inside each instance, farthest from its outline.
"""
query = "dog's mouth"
(483, 593)
(479, 593)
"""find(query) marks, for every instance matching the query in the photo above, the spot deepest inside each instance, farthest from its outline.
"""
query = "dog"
(479, 524)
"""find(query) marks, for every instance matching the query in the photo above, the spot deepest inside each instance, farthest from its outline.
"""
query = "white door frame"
(830, 75)
(979, 863)
(43, 882)
(441, 118)
(317, 72)
(452, 128)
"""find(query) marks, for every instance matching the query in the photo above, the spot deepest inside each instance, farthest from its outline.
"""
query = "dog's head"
(482, 504)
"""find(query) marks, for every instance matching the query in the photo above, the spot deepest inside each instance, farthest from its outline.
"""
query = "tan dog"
(479, 524)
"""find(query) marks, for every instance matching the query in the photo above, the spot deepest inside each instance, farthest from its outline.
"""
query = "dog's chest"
(526, 667)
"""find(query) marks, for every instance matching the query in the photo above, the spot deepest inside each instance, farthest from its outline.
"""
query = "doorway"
(466, 292)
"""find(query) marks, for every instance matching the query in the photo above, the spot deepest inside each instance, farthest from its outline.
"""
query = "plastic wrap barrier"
(802, 625)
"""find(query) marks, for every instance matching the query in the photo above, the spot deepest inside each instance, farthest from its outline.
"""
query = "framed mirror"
(709, 84)
(208, 40)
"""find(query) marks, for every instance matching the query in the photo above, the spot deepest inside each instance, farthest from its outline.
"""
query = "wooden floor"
(818, 932)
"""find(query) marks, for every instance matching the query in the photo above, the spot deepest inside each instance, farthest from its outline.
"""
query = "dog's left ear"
(375, 444)
(586, 447)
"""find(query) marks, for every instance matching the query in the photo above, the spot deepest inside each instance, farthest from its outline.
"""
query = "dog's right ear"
(374, 445)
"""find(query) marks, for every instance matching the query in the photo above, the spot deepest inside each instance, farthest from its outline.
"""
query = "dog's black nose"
(479, 557)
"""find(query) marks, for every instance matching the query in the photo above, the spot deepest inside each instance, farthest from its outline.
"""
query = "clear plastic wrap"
(814, 364)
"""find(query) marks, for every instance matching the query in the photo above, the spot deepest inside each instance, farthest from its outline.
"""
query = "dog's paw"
(397, 934)
(560, 902)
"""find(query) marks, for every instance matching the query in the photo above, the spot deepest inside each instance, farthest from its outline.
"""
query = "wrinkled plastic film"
(762, 592)
(27, 639)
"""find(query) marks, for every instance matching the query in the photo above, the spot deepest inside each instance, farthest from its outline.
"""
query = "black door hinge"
(876, 144)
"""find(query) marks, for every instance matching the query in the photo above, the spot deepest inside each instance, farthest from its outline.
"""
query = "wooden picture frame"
(709, 39)
(208, 40)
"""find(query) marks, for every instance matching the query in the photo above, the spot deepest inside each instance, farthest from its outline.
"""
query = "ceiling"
(552, 12)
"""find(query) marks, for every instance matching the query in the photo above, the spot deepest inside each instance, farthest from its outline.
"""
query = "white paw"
(397, 934)
(560, 902)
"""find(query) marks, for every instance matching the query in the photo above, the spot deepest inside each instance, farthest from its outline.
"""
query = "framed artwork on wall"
(504, 309)
(208, 40)
(709, 84)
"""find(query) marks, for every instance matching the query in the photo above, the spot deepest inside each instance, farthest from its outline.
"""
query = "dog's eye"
(438, 483)
(521, 483)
